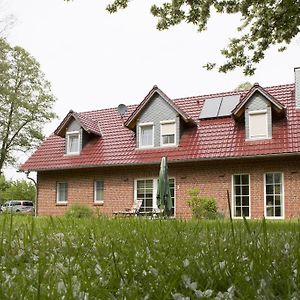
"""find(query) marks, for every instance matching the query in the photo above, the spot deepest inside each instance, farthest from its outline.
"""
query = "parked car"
(18, 206)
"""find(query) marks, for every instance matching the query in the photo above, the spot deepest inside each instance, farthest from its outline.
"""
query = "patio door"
(146, 190)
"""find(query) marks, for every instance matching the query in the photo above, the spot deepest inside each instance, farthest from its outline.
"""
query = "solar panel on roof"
(210, 108)
(228, 104)
(219, 107)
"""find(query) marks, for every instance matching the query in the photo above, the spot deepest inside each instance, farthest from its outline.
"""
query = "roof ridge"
(187, 98)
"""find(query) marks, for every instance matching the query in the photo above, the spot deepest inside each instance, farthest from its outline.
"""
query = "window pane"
(62, 189)
(270, 211)
(146, 138)
(238, 201)
(245, 190)
(277, 211)
(168, 139)
(270, 200)
(277, 178)
(99, 187)
(237, 179)
(238, 212)
(269, 189)
(269, 178)
(245, 201)
(245, 179)
(245, 211)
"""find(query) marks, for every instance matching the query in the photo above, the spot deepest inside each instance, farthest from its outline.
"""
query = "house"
(245, 142)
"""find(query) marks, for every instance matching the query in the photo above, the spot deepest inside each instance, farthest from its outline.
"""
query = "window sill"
(61, 203)
(72, 154)
(98, 203)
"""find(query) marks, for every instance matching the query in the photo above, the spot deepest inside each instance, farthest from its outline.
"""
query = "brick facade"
(214, 178)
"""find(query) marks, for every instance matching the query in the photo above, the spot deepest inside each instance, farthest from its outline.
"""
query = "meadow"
(100, 258)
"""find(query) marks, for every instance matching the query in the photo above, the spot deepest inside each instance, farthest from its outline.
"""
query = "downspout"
(36, 192)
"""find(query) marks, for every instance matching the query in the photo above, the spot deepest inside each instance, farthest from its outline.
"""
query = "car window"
(14, 203)
(27, 203)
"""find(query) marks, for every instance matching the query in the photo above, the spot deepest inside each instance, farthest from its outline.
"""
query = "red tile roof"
(217, 138)
(87, 123)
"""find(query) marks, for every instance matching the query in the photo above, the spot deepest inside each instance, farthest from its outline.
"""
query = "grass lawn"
(98, 258)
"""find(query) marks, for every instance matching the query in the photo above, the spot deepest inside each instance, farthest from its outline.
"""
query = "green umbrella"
(163, 189)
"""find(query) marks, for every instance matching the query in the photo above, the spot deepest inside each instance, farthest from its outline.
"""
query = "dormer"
(77, 130)
(157, 121)
(257, 109)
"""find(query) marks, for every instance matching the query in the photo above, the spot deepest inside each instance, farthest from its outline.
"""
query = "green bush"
(79, 211)
(202, 207)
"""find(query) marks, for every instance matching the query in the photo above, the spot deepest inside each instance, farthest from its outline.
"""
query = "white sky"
(96, 60)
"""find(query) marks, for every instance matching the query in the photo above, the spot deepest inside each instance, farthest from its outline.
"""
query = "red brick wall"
(213, 178)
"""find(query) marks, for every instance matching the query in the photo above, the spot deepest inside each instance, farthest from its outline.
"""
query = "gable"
(153, 94)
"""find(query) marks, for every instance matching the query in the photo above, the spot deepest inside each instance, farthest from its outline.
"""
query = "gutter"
(170, 162)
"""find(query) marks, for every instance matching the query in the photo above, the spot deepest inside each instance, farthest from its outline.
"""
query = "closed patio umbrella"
(163, 189)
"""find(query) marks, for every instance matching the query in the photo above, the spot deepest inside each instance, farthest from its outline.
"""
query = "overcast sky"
(96, 60)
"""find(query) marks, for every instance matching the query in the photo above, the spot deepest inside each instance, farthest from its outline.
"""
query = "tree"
(263, 24)
(26, 102)
(6, 20)
(16, 190)
(243, 86)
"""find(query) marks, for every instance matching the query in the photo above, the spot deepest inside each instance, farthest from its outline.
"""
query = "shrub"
(202, 207)
(79, 211)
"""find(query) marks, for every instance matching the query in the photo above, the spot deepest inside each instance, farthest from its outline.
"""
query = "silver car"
(18, 206)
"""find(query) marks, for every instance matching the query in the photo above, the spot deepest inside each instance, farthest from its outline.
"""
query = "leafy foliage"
(26, 102)
(79, 211)
(16, 190)
(263, 24)
(202, 207)
(243, 86)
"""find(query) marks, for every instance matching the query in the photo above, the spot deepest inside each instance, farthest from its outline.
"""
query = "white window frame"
(233, 196)
(140, 135)
(155, 186)
(95, 192)
(161, 136)
(58, 190)
(265, 196)
(68, 134)
(258, 112)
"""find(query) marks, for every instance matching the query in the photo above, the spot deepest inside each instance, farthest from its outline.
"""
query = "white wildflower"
(98, 269)
(178, 296)
(61, 288)
(198, 293)
(207, 293)
(153, 271)
(222, 265)
(186, 263)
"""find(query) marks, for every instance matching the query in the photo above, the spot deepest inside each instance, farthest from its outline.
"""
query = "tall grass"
(60, 258)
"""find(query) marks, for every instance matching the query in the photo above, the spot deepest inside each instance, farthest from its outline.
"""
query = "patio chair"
(133, 211)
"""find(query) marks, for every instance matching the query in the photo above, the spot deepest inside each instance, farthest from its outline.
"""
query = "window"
(258, 124)
(146, 190)
(98, 191)
(274, 195)
(73, 142)
(62, 192)
(167, 132)
(146, 135)
(241, 196)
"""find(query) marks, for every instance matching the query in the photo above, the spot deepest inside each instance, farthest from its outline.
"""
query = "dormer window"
(258, 124)
(168, 133)
(146, 135)
(73, 142)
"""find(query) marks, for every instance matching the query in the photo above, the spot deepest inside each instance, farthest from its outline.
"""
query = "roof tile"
(211, 139)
